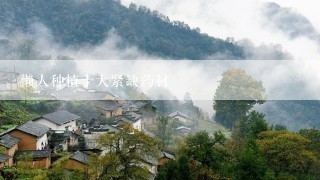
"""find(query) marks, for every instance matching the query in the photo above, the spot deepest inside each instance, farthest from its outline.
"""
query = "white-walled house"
(134, 119)
(137, 125)
(183, 118)
(32, 135)
(60, 120)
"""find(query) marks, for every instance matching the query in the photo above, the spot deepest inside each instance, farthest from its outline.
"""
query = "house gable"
(28, 141)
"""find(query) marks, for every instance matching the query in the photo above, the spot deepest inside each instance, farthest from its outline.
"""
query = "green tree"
(25, 169)
(313, 135)
(206, 150)
(95, 166)
(126, 150)
(288, 152)
(176, 170)
(279, 127)
(57, 171)
(237, 93)
(184, 168)
(169, 171)
(251, 163)
(164, 130)
(252, 124)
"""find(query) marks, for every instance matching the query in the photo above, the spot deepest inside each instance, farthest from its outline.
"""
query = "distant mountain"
(295, 115)
(80, 23)
(290, 22)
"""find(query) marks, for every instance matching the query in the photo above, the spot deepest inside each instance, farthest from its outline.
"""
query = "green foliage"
(286, 176)
(279, 127)
(165, 130)
(57, 171)
(86, 110)
(127, 149)
(237, 93)
(252, 125)
(47, 106)
(169, 171)
(2, 149)
(94, 165)
(184, 168)
(25, 168)
(251, 163)
(206, 150)
(176, 170)
(269, 175)
(314, 136)
(14, 112)
(287, 152)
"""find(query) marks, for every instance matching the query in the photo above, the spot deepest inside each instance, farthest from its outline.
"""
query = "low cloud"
(246, 19)
(283, 80)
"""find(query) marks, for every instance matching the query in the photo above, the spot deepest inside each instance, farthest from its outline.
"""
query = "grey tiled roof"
(130, 117)
(61, 117)
(4, 157)
(124, 119)
(33, 128)
(177, 113)
(36, 153)
(8, 141)
(110, 128)
(165, 154)
(133, 116)
(80, 156)
(150, 134)
(108, 105)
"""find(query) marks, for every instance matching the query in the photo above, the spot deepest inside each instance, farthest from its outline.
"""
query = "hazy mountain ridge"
(291, 22)
(86, 23)
(78, 23)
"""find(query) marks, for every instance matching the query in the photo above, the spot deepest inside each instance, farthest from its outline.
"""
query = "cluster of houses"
(61, 130)
(65, 131)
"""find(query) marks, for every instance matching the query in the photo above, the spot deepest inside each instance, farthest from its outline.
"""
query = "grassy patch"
(6, 127)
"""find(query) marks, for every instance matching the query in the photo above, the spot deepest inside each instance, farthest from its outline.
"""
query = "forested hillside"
(78, 23)
(293, 114)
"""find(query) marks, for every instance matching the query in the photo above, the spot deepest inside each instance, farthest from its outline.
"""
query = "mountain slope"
(77, 23)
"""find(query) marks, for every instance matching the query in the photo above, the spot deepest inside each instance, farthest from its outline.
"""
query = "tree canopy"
(287, 151)
(236, 94)
(127, 150)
